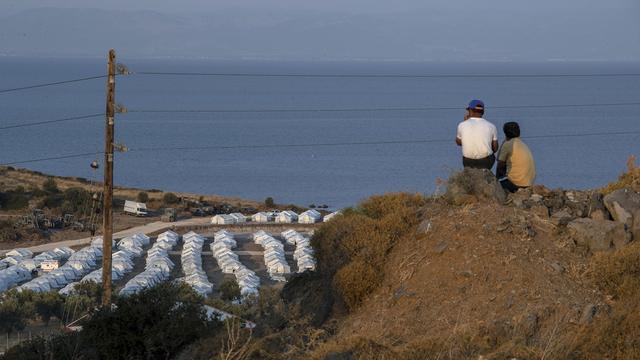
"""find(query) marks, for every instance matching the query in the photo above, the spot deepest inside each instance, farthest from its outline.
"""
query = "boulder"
(598, 235)
(555, 200)
(597, 210)
(470, 185)
(540, 210)
(562, 217)
(623, 204)
(578, 202)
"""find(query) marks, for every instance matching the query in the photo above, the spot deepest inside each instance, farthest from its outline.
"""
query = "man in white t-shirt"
(478, 138)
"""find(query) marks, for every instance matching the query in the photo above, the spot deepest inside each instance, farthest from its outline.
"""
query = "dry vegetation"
(402, 276)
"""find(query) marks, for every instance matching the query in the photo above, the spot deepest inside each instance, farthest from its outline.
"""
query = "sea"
(309, 157)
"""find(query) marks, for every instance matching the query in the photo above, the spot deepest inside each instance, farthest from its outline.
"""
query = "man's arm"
(458, 141)
(494, 145)
(501, 169)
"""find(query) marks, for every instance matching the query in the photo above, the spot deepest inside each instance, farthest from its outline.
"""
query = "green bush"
(170, 198)
(157, 323)
(229, 290)
(76, 200)
(143, 197)
(51, 201)
(50, 186)
(269, 202)
(12, 200)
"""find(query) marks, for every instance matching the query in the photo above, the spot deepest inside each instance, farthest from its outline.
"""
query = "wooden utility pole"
(107, 232)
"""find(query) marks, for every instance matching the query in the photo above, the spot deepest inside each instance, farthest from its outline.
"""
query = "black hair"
(511, 130)
(476, 111)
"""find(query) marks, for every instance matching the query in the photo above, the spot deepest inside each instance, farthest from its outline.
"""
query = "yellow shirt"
(521, 169)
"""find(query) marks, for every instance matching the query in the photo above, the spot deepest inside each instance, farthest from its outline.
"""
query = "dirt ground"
(482, 269)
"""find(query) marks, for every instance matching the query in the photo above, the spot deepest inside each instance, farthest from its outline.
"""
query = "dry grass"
(628, 179)
(353, 248)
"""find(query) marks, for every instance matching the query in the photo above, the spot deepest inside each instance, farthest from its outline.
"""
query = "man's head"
(511, 130)
(476, 108)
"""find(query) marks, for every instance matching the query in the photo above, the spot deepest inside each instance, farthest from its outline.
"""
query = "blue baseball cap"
(476, 104)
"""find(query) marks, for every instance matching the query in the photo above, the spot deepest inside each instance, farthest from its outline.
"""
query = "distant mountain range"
(314, 36)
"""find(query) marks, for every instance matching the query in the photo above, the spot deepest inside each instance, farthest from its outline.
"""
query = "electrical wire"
(51, 121)
(3, 91)
(417, 76)
(390, 109)
(70, 156)
(269, 146)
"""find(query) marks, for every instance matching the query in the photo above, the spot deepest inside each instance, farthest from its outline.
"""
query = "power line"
(70, 156)
(390, 109)
(427, 76)
(51, 121)
(52, 84)
(350, 143)
(390, 142)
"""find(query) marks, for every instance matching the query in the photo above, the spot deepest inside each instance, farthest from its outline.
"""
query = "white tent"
(310, 217)
(262, 217)
(287, 217)
(240, 218)
(331, 216)
(223, 219)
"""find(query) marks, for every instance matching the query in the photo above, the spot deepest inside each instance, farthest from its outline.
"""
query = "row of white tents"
(303, 254)
(191, 259)
(274, 256)
(158, 266)
(283, 217)
(52, 279)
(121, 262)
(78, 264)
(221, 247)
(228, 219)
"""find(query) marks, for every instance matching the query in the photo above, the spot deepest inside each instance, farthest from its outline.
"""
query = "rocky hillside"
(472, 274)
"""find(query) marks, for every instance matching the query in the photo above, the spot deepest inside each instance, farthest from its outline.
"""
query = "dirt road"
(146, 229)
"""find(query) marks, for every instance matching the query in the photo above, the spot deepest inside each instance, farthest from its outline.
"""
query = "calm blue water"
(339, 175)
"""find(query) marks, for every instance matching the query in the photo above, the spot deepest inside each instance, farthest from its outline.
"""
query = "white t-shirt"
(476, 135)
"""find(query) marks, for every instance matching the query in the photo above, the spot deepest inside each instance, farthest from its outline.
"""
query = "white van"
(135, 208)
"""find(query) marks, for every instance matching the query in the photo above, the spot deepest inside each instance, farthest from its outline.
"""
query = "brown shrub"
(628, 179)
(352, 248)
(355, 281)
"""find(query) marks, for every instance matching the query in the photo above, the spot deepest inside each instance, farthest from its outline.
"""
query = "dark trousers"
(509, 186)
(484, 163)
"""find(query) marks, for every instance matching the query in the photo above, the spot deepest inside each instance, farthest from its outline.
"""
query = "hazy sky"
(326, 29)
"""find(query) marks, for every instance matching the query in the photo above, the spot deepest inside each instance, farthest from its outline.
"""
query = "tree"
(170, 198)
(143, 197)
(155, 323)
(229, 290)
(13, 314)
(49, 304)
(50, 186)
(269, 202)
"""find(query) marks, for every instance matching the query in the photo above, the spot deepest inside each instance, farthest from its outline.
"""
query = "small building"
(287, 217)
(262, 217)
(49, 265)
(310, 217)
(223, 219)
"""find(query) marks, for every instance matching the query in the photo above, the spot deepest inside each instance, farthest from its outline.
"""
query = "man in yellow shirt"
(516, 168)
